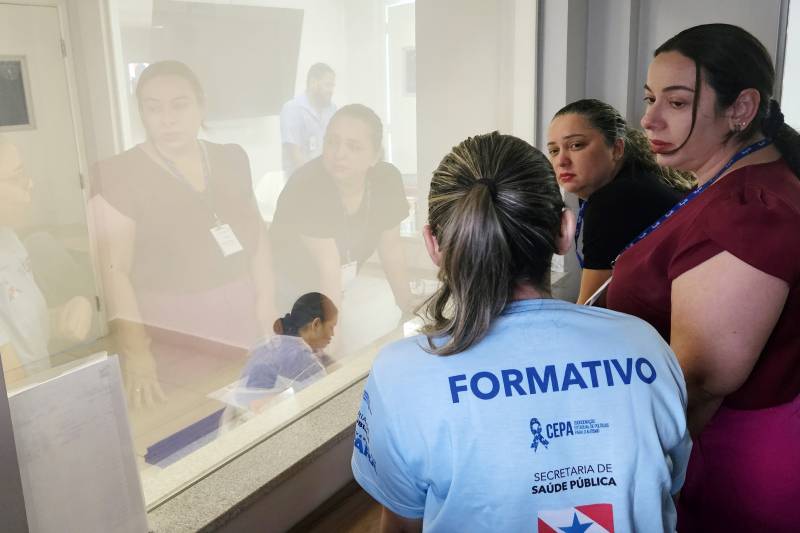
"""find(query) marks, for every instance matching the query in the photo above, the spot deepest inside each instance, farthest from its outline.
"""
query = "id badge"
(349, 272)
(226, 239)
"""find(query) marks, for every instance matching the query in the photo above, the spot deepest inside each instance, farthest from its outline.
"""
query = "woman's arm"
(394, 523)
(591, 280)
(393, 261)
(723, 312)
(326, 256)
(116, 235)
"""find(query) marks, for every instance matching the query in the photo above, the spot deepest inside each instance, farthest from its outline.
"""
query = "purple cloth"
(744, 473)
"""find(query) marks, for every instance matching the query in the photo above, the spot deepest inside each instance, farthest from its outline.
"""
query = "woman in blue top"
(514, 411)
(294, 357)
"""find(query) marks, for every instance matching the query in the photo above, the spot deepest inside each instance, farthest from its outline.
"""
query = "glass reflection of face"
(348, 151)
(15, 186)
(320, 332)
(581, 157)
(171, 112)
(322, 88)
(667, 121)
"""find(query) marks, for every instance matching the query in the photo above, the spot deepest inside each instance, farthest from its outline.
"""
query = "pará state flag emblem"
(595, 518)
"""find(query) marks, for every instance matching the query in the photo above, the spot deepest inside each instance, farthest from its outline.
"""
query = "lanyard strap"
(175, 171)
(744, 152)
(581, 212)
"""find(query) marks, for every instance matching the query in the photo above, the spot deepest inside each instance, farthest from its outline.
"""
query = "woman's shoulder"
(636, 183)
(120, 173)
(386, 183)
(124, 163)
(753, 192)
(384, 169)
(278, 347)
(230, 150)
(774, 179)
(311, 175)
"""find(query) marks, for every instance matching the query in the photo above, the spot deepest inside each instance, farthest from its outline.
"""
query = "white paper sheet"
(76, 454)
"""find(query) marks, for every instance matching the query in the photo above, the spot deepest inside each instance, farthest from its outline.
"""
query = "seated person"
(27, 322)
(337, 210)
(513, 408)
(294, 357)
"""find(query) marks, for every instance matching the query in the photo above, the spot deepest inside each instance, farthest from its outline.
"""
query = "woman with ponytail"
(294, 357)
(512, 407)
(720, 277)
(621, 188)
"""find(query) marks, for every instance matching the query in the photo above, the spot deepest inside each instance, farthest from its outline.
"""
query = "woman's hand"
(141, 380)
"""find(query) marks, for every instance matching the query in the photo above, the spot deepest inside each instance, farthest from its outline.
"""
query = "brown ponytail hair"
(495, 209)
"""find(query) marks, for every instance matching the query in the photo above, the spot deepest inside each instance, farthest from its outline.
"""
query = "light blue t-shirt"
(562, 416)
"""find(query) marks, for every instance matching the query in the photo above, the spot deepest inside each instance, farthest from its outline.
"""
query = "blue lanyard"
(755, 147)
(579, 225)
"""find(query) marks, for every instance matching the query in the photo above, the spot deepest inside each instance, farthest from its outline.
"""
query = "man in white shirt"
(305, 118)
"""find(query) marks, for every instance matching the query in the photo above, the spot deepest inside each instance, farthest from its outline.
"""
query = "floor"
(351, 510)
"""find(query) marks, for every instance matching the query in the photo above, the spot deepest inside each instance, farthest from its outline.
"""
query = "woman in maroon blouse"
(720, 277)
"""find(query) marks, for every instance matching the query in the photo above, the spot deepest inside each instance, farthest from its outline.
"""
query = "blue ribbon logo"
(538, 438)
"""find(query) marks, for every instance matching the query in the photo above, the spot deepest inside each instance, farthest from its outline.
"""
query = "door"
(38, 150)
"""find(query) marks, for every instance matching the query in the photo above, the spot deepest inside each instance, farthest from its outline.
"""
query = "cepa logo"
(538, 438)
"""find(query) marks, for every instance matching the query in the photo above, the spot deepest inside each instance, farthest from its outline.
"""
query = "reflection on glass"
(28, 322)
(339, 209)
(305, 118)
(222, 117)
(183, 248)
(294, 358)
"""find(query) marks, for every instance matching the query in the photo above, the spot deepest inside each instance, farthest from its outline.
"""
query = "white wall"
(402, 104)
(465, 79)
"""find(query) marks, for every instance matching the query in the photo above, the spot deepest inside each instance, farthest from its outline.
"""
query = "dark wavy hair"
(495, 209)
(731, 60)
(609, 122)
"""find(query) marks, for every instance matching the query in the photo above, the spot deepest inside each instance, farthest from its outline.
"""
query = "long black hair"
(731, 60)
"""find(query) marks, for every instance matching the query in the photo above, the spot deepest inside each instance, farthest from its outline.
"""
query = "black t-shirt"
(174, 249)
(310, 206)
(617, 213)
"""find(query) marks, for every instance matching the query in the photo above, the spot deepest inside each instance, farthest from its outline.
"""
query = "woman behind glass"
(514, 408)
(720, 279)
(183, 244)
(293, 358)
(337, 210)
(27, 321)
(610, 167)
